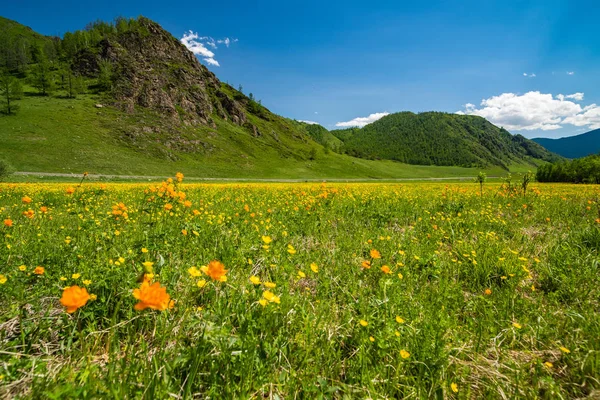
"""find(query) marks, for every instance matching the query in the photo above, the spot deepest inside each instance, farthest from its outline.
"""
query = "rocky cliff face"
(152, 69)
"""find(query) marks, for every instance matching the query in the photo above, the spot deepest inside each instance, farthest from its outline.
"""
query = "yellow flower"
(255, 280)
(301, 274)
(144, 250)
(201, 283)
(270, 285)
(291, 249)
(270, 296)
(375, 253)
(548, 364)
(93, 297)
(263, 302)
(371, 338)
(195, 272)
(517, 325)
(564, 350)
(400, 276)
(74, 297)
(75, 276)
(314, 268)
(363, 322)
(267, 239)
(3, 279)
(87, 282)
(404, 354)
(22, 268)
(454, 387)
(397, 333)
(399, 319)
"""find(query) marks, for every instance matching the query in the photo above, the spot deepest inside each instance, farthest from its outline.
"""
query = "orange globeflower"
(74, 297)
(26, 199)
(375, 253)
(8, 222)
(216, 270)
(39, 270)
(366, 264)
(386, 270)
(152, 296)
(70, 190)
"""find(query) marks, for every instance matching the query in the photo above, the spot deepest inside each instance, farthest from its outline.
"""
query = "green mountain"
(435, 138)
(573, 146)
(128, 98)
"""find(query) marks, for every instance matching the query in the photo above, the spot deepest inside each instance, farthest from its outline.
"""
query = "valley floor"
(284, 290)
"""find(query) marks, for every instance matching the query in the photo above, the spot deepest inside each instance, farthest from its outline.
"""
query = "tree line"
(579, 170)
(48, 64)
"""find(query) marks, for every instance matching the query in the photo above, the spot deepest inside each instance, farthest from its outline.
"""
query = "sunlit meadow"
(175, 290)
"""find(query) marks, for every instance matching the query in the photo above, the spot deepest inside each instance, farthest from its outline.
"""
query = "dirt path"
(156, 178)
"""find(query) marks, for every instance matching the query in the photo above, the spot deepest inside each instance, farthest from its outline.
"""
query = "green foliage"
(10, 90)
(105, 75)
(573, 146)
(481, 178)
(435, 138)
(42, 77)
(581, 170)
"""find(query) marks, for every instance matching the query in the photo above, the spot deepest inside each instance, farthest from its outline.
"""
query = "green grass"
(497, 295)
(51, 134)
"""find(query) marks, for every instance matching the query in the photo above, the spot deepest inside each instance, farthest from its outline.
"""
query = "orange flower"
(375, 253)
(8, 222)
(39, 270)
(216, 270)
(168, 207)
(74, 297)
(488, 291)
(152, 296)
(26, 199)
(366, 264)
(385, 269)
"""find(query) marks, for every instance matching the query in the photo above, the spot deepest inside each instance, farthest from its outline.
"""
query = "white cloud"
(570, 72)
(362, 121)
(532, 75)
(199, 46)
(590, 117)
(308, 122)
(535, 110)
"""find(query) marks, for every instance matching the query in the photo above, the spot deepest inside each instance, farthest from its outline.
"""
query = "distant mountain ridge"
(436, 138)
(573, 146)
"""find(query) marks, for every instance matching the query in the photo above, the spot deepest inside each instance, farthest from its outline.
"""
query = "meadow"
(253, 290)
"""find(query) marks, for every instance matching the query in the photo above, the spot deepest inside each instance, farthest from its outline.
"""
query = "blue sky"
(333, 62)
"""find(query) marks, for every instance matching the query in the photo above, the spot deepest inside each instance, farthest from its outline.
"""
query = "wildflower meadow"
(287, 290)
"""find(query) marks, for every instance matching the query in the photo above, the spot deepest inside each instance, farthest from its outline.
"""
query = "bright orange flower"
(39, 270)
(74, 297)
(216, 270)
(8, 222)
(375, 253)
(366, 264)
(26, 199)
(70, 190)
(152, 296)
(168, 207)
(487, 291)
(386, 270)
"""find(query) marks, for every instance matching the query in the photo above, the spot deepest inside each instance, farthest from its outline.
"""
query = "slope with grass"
(435, 138)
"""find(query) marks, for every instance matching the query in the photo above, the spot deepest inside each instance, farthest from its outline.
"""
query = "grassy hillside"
(573, 146)
(435, 138)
